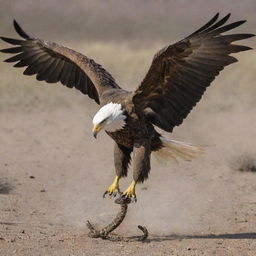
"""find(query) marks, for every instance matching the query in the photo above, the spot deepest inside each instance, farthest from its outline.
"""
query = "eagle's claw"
(130, 192)
(106, 192)
(113, 189)
(111, 194)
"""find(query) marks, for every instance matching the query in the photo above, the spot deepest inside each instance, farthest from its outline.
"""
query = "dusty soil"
(53, 172)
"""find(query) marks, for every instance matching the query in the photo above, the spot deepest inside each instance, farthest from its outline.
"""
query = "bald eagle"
(176, 80)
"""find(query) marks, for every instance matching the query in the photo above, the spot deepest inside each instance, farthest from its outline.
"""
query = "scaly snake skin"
(104, 233)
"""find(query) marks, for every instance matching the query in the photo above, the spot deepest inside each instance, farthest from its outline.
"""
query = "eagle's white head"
(110, 117)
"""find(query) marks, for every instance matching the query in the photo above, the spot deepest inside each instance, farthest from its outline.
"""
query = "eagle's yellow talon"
(113, 189)
(130, 192)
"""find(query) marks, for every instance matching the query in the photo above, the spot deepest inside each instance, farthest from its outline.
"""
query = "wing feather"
(207, 25)
(12, 50)
(53, 63)
(180, 73)
(218, 24)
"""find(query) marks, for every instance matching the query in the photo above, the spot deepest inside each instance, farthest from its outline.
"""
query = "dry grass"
(245, 163)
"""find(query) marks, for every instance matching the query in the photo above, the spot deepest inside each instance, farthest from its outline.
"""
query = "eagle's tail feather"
(174, 150)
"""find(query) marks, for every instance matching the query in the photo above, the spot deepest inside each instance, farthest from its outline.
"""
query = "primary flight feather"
(177, 79)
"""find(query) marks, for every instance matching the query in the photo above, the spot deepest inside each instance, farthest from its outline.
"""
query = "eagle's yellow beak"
(96, 129)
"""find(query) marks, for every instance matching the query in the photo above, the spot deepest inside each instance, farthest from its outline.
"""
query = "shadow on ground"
(249, 235)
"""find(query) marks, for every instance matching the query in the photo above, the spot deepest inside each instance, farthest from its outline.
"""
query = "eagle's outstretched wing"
(180, 73)
(53, 63)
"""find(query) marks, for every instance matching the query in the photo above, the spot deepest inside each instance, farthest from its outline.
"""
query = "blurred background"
(45, 129)
(121, 35)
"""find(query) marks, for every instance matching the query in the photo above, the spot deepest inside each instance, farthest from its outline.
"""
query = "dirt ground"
(53, 172)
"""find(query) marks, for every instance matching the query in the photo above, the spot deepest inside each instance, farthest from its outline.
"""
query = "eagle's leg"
(122, 158)
(141, 167)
